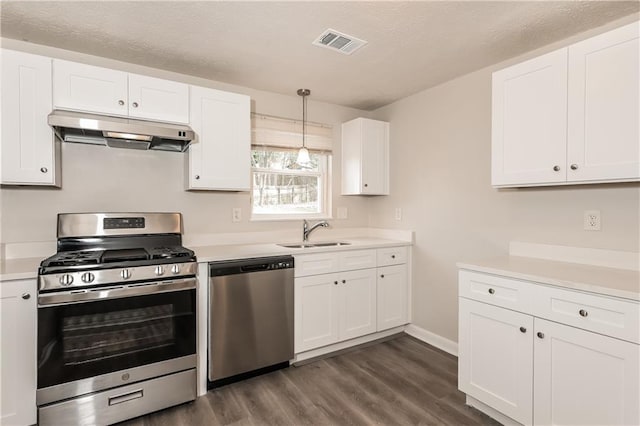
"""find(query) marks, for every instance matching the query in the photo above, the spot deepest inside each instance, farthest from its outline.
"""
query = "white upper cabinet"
(604, 113)
(570, 116)
(220, 156)
(29, 154)
(529, 121)
(80, 87)
(365, 157)
(155, 99)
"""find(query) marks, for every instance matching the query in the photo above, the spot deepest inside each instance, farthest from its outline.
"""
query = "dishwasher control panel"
(244, 266)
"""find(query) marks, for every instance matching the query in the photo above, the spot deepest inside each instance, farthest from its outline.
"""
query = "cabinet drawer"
(612, 317)
(356, 259)
(315, 264)
(392, 256)
(505, 292)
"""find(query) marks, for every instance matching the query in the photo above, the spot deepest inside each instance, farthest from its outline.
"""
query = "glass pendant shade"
(303, 156)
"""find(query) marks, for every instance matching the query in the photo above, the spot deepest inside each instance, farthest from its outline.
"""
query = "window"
(281, 189)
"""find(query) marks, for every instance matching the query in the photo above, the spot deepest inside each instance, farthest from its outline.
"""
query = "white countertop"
(242, 251)
(17, 269)
(595, 279)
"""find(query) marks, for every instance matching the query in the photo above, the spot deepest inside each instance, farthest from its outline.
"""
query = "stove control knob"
(175, 269)
(125, 274)
(159, 270)
(66, 280)
(87, 277)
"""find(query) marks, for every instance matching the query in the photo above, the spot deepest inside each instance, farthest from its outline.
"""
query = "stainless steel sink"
(310, 245)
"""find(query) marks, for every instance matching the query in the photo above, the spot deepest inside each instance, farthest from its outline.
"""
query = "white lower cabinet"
(584, 378)
(341, 296)
(18, 355)
(392, 297)
(540, 372)
(495, 359)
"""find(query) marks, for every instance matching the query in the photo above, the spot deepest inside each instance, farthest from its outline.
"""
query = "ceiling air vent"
(335, 40)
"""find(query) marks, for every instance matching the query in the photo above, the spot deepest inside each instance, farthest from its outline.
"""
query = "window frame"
(324, 188)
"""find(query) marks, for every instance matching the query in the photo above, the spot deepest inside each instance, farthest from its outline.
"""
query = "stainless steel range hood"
(119, 132)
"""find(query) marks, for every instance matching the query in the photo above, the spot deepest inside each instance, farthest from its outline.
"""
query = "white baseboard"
(433, 339)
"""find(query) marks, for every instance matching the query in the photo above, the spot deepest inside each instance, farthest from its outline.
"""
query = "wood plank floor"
(401, 381)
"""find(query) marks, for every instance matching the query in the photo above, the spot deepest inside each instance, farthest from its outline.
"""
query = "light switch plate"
(236, 215)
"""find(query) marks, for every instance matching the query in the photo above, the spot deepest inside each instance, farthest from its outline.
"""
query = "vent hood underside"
(119, 132)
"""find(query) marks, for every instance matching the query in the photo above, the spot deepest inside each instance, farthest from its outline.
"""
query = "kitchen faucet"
(306, 229)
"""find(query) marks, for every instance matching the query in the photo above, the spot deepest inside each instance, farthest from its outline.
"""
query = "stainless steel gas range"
(116, 319)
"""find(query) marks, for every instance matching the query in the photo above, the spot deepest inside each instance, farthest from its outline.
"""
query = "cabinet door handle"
(120, 102)
(365, 185)
(523, 330)
(197, 177)
(491, 291)
(583, 313)
(344, 281)
(26, 296)
(335, 282)
(382, 276)
(556, 168)
(574, 167)
(44, 169)
(135, 105)
(393, 256)
(540, 334)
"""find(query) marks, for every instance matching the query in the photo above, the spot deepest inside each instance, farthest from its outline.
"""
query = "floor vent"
(335, 40)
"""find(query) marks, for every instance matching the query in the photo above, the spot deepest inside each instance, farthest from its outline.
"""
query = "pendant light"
(303, 153)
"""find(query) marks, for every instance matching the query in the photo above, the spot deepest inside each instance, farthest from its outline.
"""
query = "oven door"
(107, 337)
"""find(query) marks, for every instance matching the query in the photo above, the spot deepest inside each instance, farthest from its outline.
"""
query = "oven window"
(82, 340)
(97, 337)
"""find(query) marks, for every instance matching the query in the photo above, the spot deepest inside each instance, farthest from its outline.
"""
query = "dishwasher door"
(250, 315)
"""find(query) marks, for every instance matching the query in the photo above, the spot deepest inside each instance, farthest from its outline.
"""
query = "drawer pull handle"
(583, 313)
(26, 296)
(491, 291)
(540, 335)
(393, 256)
(382, 276)
(344, 281)
(523, 330)
(335, 283)
(126, 397)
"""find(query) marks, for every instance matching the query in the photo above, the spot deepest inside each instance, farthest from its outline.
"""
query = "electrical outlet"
(236, 215)
(398, 215)
(592, 220)
(343, 213)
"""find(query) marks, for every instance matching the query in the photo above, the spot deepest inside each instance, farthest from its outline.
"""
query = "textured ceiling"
(267, 45)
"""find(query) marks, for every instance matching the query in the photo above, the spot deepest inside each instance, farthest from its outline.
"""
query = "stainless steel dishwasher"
(250, 317)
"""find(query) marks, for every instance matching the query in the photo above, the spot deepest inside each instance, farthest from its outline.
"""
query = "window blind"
(276, 132)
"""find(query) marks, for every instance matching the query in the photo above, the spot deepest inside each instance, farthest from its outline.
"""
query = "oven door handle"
(115, 292)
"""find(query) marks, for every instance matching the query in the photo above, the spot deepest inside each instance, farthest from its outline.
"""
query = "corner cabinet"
(365, 157)
(220, 156)
(570, 116)
(18, 359)
(344, 295)
(86, 88)
(29, 150)
(544, 355)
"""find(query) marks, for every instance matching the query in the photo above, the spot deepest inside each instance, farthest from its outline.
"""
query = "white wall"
(102, 179)
(440, 177)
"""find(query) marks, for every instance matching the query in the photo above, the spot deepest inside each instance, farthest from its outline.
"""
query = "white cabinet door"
(18, 356)
(156, 99)
(584, 378)
(365, 157)
(392, 297)
(220, 156)
(80, 87)
(529, 121)
(496, 358)
(357, 303)
(316, 311)
(28, 147)
(604, 116)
